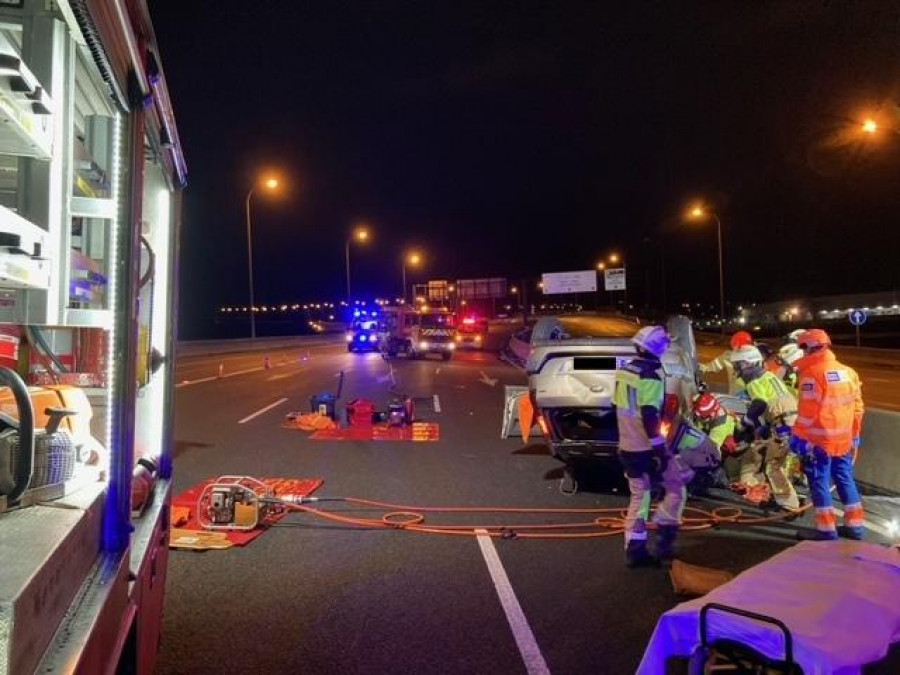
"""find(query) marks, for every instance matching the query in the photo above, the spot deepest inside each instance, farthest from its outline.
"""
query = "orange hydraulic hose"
(411, 518)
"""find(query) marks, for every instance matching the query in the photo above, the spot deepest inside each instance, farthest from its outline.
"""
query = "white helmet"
(790, 353)
(653, 339)
(794, 335)
(749, 355)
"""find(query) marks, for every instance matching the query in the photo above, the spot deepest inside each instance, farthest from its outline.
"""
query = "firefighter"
(710, 417)
(638, 398)
(766, 426)
(713, 420)
(826, 435)
(740, 339)
(788, 356)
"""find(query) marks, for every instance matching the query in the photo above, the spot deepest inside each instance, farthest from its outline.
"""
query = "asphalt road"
(315, 597)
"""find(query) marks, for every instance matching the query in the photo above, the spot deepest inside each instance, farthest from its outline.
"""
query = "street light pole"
(721, 275)
(250, 267)
(404, 280)
(347, 255)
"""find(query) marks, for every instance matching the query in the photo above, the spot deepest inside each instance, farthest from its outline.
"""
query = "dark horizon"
(511, 140)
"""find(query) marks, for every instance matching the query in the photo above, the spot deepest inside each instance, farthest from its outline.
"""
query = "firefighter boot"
(637, 554)
(665, 544)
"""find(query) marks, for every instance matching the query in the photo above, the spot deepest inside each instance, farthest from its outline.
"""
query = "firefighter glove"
(800, 446)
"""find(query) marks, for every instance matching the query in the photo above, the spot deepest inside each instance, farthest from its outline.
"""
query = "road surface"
(316, 597)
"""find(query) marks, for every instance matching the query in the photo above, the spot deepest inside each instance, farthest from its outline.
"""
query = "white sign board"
(614, 279)
(569, 282)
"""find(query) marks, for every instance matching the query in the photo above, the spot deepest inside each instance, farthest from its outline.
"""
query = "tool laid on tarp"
(326, 403)
(240, 508)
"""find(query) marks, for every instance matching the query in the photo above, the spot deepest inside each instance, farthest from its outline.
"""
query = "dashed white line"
(262, 410)
(187, 383)
(528, 647)
(437, 403)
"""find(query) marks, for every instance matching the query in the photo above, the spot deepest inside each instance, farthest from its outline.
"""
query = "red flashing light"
(469, 320)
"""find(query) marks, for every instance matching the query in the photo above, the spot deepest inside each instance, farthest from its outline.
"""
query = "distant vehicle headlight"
(451, 345)
(349, 337)
(477, 338)
(423, 345)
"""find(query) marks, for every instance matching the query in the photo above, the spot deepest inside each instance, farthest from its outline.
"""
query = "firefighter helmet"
(741, 339)
(794, 335)
(748, 354)
(790, 353)
(652, 339)
(707, 407)
(813, 340)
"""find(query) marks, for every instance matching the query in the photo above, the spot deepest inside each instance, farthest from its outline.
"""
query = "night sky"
(515, 138)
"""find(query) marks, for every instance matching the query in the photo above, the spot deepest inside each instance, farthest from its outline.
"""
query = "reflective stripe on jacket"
(831, 408)
(720, 363)
(639, 383)
(781, 404)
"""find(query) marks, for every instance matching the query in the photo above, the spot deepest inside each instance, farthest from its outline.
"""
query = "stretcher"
(815, 608)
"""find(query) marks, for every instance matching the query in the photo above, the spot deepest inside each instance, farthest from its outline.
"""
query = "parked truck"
(417, 333)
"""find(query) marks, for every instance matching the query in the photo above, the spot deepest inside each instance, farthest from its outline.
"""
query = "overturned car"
(571, 383)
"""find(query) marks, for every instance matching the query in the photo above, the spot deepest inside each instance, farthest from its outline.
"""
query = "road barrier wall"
(210, 347)
(878, 463)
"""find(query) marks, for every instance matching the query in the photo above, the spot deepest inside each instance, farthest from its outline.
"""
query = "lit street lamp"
(870, 126)
(615, 259)
(360, 234)
(413, 259)
(269, 184)
(698, 212)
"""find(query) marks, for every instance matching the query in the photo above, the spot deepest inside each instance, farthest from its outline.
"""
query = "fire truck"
(417, 333)
(92, 173)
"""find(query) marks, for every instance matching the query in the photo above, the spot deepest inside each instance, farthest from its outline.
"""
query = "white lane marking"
(437, 371)
(187, 383)
(877, 379)
(490, 381)
(262, 410)
(437, 403)
(528, 647)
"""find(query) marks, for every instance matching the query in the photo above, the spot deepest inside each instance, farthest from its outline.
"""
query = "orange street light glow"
(272, 183)
(870, 126)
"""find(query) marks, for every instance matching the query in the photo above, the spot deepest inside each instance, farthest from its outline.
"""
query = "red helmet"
(741, 339)
(813, 340)
(707, 407)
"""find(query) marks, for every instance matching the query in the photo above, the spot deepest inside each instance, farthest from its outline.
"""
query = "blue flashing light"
(363, 338)
(355, 313)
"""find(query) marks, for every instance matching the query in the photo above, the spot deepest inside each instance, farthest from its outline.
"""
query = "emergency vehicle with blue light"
(417, 333)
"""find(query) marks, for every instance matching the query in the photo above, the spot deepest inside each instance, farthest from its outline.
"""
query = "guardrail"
(878, 463)
(210, 347)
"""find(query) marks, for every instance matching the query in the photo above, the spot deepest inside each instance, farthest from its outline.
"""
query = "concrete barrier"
(210, 347)
(878, 463)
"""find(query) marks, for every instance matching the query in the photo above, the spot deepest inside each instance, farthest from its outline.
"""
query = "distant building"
(824, 308)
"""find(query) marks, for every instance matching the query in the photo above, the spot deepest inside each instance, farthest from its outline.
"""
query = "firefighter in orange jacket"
(826, 434)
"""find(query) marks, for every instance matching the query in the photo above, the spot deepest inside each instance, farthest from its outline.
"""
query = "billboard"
(614, 279)
(584, 281)
(481, 289)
